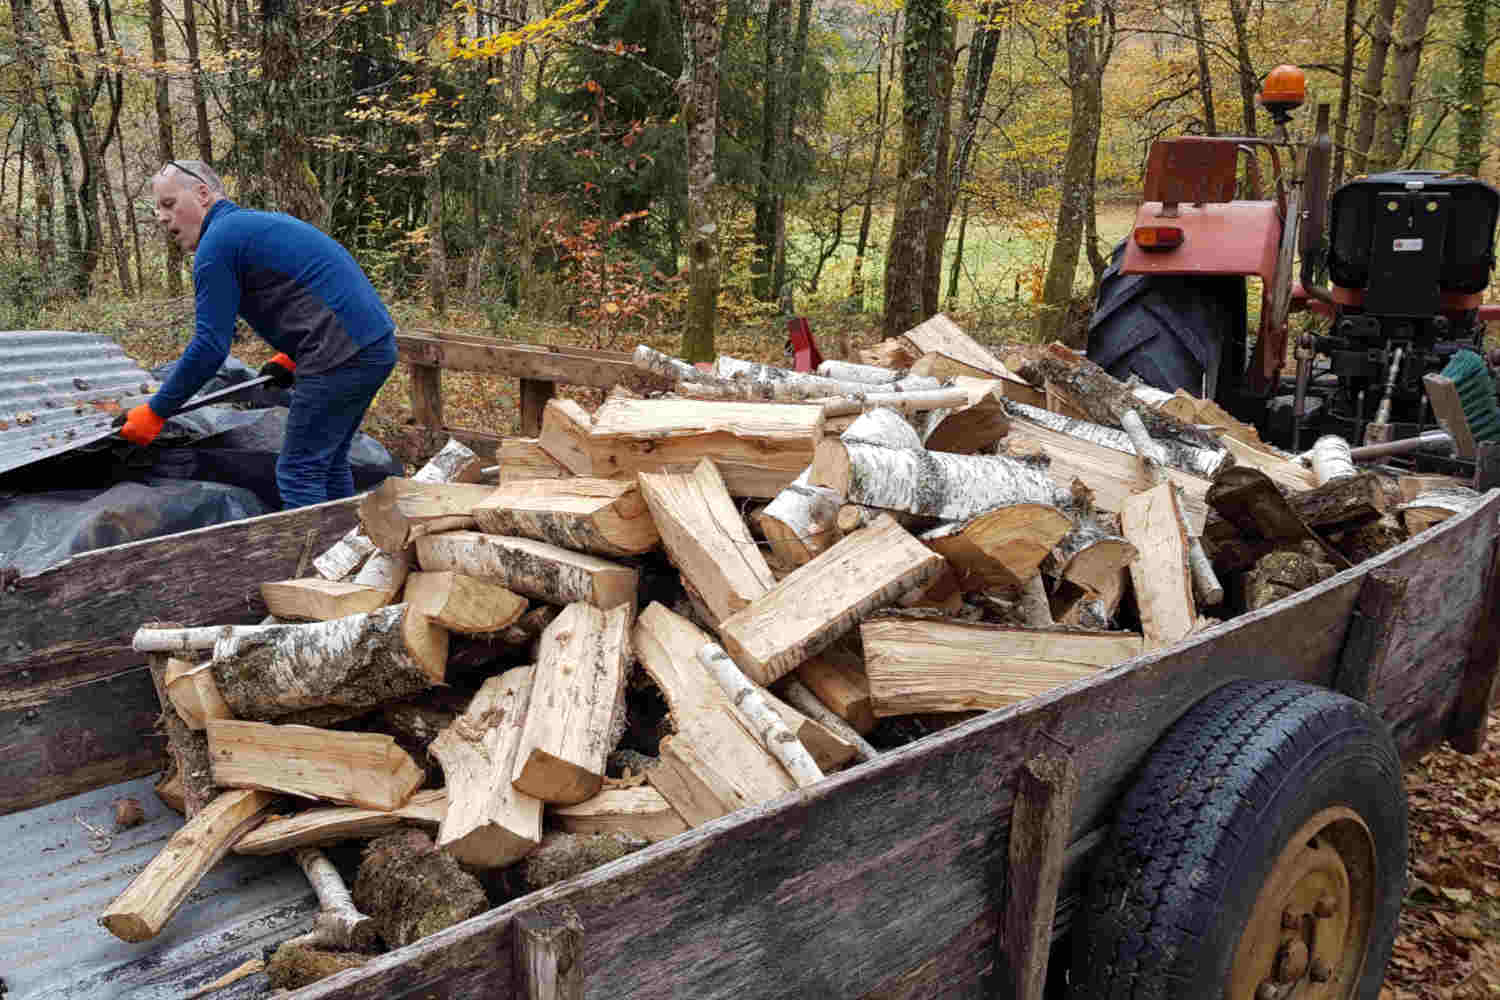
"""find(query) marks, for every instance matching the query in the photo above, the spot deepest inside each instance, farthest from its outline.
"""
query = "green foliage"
(23, 291)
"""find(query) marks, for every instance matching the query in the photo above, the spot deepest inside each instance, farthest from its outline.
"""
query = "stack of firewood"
(678, 606)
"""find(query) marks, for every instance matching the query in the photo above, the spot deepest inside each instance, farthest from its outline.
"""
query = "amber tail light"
(1158, 237)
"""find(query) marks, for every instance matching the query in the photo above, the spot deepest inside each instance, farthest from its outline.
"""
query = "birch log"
(786, 384)
(1002, 547)
(882, 426)
(607, 517)
(1194, 460)
(318, 599)
(905, 402)
(463, 603)
(171, 639)
(973, 426)
(345, 555)
(1330, 459)
(400, 511)
(385, 573)
(187, 746)
(927, 483)
(801, 521)
(489, 822)
(356, 662)
(536, 569)
(802, 698)
(850, 371)
(767, 724)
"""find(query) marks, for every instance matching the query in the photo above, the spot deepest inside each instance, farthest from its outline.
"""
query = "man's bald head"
(184, 191)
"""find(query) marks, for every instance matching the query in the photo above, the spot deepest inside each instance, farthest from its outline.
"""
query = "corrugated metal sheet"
(60, 390)
(65, 862)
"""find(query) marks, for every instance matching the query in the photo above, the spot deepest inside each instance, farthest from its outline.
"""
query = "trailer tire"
(1272, 813)
(1170, 330)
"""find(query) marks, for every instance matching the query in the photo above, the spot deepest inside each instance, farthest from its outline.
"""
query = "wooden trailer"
(955, 866)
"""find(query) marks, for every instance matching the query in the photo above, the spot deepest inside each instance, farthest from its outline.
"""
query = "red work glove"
(281, 369)
(142, 425)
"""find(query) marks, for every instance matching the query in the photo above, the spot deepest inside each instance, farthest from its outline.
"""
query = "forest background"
(686, 173)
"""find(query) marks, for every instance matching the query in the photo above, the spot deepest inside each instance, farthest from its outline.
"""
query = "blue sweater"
(296, 286)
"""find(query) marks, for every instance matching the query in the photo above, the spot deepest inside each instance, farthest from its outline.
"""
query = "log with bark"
(489, 823)
(607, 517)
(536, 569)
(1181, 456)
(357, 769)
(973, 427)
(1435, 507)
(640, 811)
(188, 747)
(325, 825)
(357, 662)
(412, 889)
(804, 613)
(765, 723)
(577, 708)
(194, 693)
(400, 511)
(801, 521)
(1001, 548)
(565, 436)
(786, 385)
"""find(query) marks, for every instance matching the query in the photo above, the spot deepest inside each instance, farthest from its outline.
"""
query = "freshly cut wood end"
(565, 436)
(463, 603)
(427, 642)
(552, 779)
(641, 811)
(193, 692)
(317, 599)
(524, 458)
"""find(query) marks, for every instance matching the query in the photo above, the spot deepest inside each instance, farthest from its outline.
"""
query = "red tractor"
(1407, 257)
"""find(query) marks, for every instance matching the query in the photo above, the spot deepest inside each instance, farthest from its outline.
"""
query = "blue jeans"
(325, 415)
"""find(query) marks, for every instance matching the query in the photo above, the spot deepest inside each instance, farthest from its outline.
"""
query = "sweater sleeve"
(217, 303)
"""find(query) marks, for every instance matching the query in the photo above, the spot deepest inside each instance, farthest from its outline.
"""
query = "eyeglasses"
(190, 173)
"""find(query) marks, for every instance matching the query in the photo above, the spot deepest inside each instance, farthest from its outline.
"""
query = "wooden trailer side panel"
(885, 877)
(76, 705)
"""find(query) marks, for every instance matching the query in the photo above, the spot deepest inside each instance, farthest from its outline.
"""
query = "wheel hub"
(1307, 932)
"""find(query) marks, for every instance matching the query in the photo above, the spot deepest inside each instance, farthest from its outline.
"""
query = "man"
(305, 295)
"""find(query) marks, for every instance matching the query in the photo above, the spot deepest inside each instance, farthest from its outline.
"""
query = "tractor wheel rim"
(1310, 926)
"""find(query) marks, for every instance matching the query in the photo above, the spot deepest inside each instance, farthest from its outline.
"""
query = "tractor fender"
(1237, 237)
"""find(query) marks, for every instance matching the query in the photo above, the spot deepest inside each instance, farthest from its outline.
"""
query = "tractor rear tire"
(1260, 852)
(1175, 332)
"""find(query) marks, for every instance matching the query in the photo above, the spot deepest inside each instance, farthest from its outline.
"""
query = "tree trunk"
(1083, 142)
(882, 109)
(1380, 43)
(90, 147)
(437, 250)
(1395, 125)
(1205, 78)
(766, 180)
(32, 142)
(200, 104)
(786, 134)
(926, 47)
(1471, 53)
(982, 48)
(32, 48)
(1239, 14)
(698, 90)
(164, 131)
(1346, 84)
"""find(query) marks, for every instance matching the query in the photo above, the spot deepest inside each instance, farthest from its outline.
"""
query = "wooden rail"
(540, 367)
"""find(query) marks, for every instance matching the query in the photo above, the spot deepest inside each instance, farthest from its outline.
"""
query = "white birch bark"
(345, 556)
(801, 520)
(1195, 461)
(1330, 459)
(883, 427)
(182, 640)
(797, 384)
(801, 697)
(769, 727)
(850, 371)
(938, 484)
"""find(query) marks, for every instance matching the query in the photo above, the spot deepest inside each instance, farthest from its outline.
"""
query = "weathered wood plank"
(1467, 727)
(1039, 824)
(840, 887)
(1367, 642)
(546, 362)
(549, 947)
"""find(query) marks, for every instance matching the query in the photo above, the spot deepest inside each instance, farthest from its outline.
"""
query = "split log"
(1103, 399)
(412, 889)
(891, 353)
(1111, 476)
(973, 427)
(536, 569)
(489, 823)
(801, 521)
(1284, 470)
(802, 699)
(143, 909)
(1001, 548)
(849, 371)
(188, 747)
(344, 556)
(1152, 522)
(1206, 585)
(455, 462)
(565, 436)
(933, 665)
(712, 765)
(838, 681)
(706, 539)
(1412, 486)
(577, 704)
(1329, 459)
(327, 825)
(607, 517)
(1191, 459)
(940, 335)
(400, 511)
(194, 694)
(1435, 507)
(385, 573)
(758, 447)
(357, 662)
(524, 458)
(636, 812)
(931, 484)
(766, 724)
(1012, 387)
(357, 769)
(804, 613)
(463, 603)
(1092, 555)
(317, 599)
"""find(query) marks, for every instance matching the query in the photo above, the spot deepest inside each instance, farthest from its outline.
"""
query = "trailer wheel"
(1261, 854)
(1169, 330)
